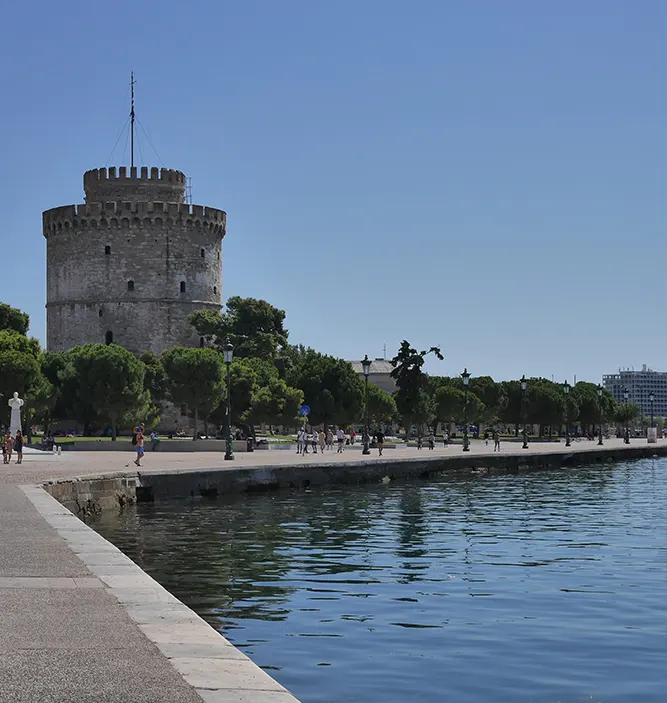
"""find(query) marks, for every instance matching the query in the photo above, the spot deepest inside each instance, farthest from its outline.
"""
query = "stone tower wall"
(95, 249)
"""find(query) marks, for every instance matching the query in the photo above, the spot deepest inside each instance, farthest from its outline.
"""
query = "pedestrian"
(431, 441)
(379, 440)
(315, 440)
(340, 436)
(8, 446)
(304, 439)
(322, 439)
(419, 441)
(155, 440)
(496, 440)
(18, 446)
(138, 442)
(445, 438)
(299, 441)
(353, 434)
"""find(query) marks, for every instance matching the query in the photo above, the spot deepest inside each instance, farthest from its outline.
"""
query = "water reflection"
(540, 587)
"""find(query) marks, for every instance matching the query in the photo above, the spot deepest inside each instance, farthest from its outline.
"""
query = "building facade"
(130, 264)
(639, 385)
(380, 374)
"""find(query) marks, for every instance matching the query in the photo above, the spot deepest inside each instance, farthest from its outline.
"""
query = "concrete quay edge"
(210, 664)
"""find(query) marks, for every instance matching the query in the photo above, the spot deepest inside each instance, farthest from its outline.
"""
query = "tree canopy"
(194, 378)
(14, 319)
(109, 380)
(254, 327)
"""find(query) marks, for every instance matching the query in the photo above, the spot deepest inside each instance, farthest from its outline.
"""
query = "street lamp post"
(566, 390)
(651, 398)
(466, 442)
(524, 386)
(228, 355)
(366, 366)
(626, 397)
(600, 410)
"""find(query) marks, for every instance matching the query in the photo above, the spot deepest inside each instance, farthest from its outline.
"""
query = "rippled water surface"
(538, 588)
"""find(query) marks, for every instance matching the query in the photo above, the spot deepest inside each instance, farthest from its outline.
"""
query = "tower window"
(108, 337)
(201, 341)
(201, 251)
(130, 286)
(182, 286)
(107, 250)
(215, 290)
(101, 312)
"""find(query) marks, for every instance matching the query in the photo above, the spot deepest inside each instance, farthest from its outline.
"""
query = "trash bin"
(250, 444)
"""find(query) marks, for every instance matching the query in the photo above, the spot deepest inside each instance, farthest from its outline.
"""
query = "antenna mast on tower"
(132, 121)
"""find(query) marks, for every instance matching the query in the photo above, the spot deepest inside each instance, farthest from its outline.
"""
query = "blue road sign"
(304, 411)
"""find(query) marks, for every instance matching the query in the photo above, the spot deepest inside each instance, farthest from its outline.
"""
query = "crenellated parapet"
(134, 215)
(134, 183)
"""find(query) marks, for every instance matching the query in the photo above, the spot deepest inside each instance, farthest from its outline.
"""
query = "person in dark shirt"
(379, 440)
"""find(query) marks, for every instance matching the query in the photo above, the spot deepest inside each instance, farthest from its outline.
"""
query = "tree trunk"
(206, 427)
(195, 434)
(113, 427)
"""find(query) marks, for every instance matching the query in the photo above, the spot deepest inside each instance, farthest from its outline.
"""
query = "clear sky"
(486, 176)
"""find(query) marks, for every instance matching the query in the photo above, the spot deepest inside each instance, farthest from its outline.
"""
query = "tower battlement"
(128, 214)
(134, 183)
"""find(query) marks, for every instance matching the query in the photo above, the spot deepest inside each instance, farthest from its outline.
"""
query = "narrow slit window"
(107, 250)
(202, 252)
(108, 337)
(215, 290)
(201, 341)
(130, 286)
(182, 286)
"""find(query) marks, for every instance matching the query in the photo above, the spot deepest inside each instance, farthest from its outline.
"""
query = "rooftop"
(377, 366)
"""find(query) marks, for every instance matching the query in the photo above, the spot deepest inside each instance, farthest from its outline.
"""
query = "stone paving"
(41, 466)
(80, 622)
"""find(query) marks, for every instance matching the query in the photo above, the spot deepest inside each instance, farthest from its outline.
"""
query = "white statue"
(15, 404)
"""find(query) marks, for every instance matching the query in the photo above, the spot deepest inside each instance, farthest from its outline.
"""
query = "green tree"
(492, 395)
(381, 406)
(14, 319)
(627, 413)
(411, 396)
(330, 387)
(19, 363)
(109, 380)
(194, 379)
(254, 327)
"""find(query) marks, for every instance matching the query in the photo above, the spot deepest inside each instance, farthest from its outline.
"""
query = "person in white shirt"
(340, 436)
(299, 441)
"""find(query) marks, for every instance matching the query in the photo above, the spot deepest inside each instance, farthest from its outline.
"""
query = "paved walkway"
(80, 622)
(41, 466)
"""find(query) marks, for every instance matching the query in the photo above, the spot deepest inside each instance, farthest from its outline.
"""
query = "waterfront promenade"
(81, 622)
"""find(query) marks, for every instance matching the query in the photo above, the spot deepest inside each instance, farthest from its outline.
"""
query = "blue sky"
(486, 176)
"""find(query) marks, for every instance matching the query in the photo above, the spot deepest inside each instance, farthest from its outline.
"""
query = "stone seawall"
(90, 494)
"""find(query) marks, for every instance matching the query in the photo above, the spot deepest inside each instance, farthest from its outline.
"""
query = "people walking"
(496, 441)
(445, 438)
(431, 441)
(379, 440)
(419, 442)
(8, 446)
(353, 434)
(340, 436)
(299, 441)
(138, 441)
(322, 439)
(315, 440)
(18, 446)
